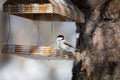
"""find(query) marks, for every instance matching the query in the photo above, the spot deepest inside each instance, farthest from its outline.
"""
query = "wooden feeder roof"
(64, 9)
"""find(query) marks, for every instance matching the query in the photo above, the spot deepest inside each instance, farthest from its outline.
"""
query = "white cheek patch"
(77, 35)
(59, 39)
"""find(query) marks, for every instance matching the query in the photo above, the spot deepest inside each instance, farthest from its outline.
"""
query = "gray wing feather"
(68, 45)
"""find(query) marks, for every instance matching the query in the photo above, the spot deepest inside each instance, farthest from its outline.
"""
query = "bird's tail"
(76, 49)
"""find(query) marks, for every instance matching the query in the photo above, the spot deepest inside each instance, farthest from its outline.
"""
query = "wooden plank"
(46, 8)
(31, 51)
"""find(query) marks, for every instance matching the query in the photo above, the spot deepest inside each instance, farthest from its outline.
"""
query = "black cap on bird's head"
(60, 36)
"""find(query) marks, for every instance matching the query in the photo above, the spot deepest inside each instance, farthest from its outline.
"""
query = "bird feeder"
(49, 10)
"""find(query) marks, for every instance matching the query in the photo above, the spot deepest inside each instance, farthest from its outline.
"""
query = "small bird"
(62, 43)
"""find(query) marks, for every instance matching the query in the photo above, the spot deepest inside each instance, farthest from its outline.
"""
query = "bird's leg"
(63, 52)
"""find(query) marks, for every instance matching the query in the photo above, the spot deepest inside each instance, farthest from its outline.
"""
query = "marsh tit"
(62, 43)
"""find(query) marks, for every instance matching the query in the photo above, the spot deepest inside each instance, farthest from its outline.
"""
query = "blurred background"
(25, 31)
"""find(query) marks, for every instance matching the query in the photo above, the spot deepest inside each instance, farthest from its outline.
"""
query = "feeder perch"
(35, 52)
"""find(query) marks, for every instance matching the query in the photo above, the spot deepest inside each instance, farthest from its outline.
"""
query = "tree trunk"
(98, 41)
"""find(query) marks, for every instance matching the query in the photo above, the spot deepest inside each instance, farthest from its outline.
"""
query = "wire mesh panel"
(22, 38)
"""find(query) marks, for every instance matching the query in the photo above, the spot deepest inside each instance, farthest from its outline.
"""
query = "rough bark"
(98, 41)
